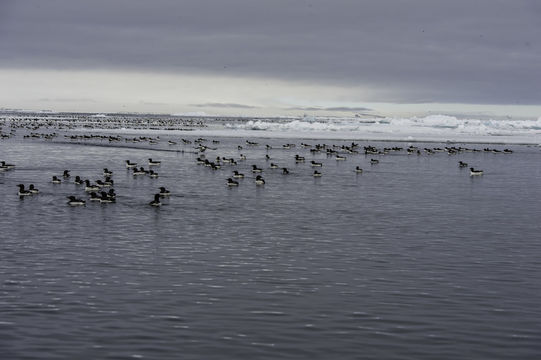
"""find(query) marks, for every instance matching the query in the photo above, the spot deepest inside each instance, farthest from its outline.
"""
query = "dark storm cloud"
(483, 51)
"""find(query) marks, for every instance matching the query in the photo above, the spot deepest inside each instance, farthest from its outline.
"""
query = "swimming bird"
(56, 180)
(152, 174)
(299, 159)
(105, 198)
(73, 201)
(32, 189)
(231, 182)
(316, 174)
(140, 171)
(358, 170)
(285, 171)
(22, 191)
(78, 180)
(90, 187)
(255, 169)
(164, 192)
(474, 172)
(273, 166)
(108, 181)
(153, 162)
(5, 166)
(340, 158)
(130, 165)
(94, 196)
(66, 174)
(201, 160)
(238, 175)
(462, 164)
(242, 157)
(259, 180)
(107, 172)
(156, 202)
(316, 164)
(374, 161)
(112, 194)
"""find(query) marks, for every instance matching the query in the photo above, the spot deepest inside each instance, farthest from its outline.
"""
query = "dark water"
(413, 259)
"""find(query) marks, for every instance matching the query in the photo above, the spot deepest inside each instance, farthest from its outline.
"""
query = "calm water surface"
(413, 259)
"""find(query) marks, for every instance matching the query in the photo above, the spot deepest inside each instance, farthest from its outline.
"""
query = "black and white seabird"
(164, 192)
(153, 162)
(156, 202)
(22, 191)
(474, 172)
(73, 201)
(238, 175)
(231, 182)
(259, 180)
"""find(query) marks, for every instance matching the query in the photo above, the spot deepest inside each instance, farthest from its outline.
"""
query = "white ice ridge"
(429, 125)
(429, 128)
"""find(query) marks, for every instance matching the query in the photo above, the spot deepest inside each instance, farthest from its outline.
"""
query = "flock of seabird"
(338, 152)
(97, 190)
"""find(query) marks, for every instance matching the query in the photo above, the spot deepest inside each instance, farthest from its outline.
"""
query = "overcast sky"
(279, 56)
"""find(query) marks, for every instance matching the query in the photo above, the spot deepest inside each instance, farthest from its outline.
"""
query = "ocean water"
(412, 259)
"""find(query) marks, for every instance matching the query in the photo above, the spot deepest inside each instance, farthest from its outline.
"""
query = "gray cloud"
(337, 108)
(60, 100)
(153, 103)
(343, 108)
(483, 51)
(225, 105)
